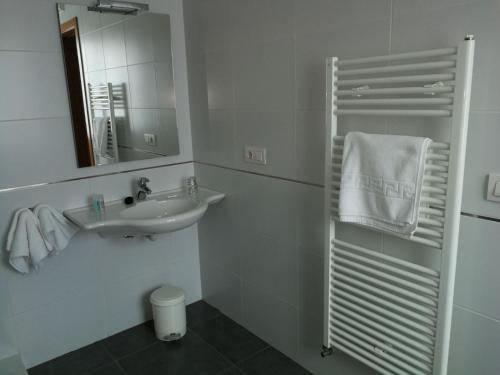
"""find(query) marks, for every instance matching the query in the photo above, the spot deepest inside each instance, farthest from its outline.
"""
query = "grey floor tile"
(271, 362)
(188, 356)
(131, 340)
(111, 369)
(229, 338)
(199, 312)
(78, 362)
(231, 371)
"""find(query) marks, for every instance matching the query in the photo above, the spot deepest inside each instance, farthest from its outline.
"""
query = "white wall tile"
(312, 49)
(482, 156)
(309, 219)
(320, 15)
(221, 137)
(28, 77)
(263, 76)
(270, 264)
(128, 300)
(474, 344)
(260, 21)
(271, 319)
(310, 146)
(477, 267)
(272, 131)
(216, 21)
(222, 289)
(42, 33)
(220, 87)
(48, 139)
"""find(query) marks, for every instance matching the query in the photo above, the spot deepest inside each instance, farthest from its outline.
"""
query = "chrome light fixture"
(121, 7)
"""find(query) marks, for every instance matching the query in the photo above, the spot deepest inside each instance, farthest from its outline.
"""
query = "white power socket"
(493, 193)
(256, 155)
(150, 139)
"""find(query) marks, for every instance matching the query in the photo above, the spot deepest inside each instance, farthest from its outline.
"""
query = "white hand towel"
(382, 181)
(56, 229)
(25, 241)
(101, 135)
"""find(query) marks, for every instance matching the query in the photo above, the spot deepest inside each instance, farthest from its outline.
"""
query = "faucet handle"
(142, 181)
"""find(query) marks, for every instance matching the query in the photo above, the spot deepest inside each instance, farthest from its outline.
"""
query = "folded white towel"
(382, 181)
(25, 242)
(56, 229)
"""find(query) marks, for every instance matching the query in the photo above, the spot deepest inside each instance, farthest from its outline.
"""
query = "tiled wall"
(256, 69)
(96, 286)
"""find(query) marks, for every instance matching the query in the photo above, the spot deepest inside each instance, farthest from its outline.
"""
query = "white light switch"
(150, 139)
(493, 193)
(256, 155)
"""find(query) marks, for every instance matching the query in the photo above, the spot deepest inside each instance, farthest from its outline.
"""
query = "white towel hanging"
(55, 228)
(25, 242)
(382, 181)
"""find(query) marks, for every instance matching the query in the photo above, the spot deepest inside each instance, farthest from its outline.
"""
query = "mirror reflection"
(120, 83)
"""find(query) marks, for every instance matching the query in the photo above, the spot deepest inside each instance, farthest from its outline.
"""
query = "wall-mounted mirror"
(120, 83)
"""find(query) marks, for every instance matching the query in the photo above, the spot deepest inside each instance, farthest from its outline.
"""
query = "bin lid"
(167, 295)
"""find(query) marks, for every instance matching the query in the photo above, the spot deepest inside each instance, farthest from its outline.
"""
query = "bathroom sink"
(161, 213)
(153, 209)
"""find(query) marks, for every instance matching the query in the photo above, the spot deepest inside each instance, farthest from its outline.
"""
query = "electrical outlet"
(257, 155)
(150, 139)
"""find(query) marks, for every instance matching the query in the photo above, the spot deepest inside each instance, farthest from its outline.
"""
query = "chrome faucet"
(144, 189)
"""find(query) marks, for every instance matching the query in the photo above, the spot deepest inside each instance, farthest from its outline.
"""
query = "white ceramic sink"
(161, 213)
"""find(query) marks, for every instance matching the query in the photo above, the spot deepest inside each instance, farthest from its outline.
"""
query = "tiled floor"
(214, 344)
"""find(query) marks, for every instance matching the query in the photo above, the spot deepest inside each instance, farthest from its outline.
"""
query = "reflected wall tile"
(139, 40)
(168, 136)
(142, 80)
(113, 42)
(93, 50)
(165, 90)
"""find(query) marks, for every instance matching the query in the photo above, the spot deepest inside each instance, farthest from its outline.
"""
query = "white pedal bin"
(169, 312)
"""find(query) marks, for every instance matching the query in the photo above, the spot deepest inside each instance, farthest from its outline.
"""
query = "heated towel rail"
(101, 104)
(392, 314)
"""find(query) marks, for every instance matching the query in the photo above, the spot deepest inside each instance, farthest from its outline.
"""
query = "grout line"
(62, 117)
(259, 174)
(253, 355)
(471, 311)
(22, 187)
(229, 362)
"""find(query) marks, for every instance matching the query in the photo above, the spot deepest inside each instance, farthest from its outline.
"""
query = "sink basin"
(153, 209)
(162, 213)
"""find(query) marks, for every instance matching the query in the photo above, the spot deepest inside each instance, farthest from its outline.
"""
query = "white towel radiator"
(101, 103)
(392, 314)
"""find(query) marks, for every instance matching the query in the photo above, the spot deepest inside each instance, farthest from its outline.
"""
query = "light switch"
(150, 139)
(493, 193)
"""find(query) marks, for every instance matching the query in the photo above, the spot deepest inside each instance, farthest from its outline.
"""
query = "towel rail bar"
(402, 56)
